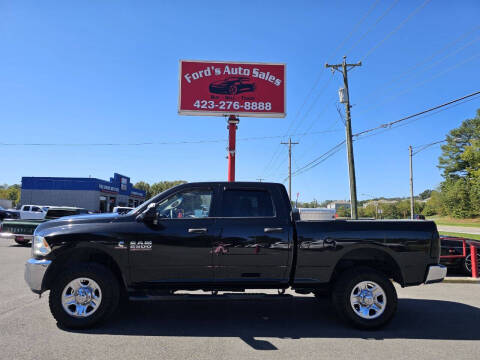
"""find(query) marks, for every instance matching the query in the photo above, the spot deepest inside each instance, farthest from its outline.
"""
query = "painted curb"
(461, 280)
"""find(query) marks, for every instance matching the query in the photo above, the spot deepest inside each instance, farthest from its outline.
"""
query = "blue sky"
(107, 72)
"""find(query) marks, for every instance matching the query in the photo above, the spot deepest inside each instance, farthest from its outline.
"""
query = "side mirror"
(149, 214)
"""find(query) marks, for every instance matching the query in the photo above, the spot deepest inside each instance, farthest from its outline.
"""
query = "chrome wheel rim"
(468, 262)
(81, 297)
(368, 300)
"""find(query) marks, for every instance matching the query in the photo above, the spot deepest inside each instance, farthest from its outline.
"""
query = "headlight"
(40, 246)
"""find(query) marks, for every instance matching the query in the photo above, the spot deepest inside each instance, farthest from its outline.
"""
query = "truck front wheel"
(83, 296)
(365, 298)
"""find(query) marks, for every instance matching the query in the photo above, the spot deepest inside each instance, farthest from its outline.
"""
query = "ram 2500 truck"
(220, 236)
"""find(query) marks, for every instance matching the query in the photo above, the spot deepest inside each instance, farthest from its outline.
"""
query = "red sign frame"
(222, 88)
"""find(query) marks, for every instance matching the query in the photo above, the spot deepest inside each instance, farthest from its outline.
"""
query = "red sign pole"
(232, 131)
(474, 263)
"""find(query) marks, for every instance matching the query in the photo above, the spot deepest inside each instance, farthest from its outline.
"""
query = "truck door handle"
(269, 230)
(329, 242)
(198, 231)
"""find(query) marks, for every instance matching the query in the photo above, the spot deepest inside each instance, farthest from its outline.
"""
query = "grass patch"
(440, 220)
(466, 236)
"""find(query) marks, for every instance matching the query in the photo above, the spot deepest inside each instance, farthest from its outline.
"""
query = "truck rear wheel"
(83, 296)
(365, 298)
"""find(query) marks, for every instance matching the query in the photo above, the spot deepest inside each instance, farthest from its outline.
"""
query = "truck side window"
(186, 204)
(36, 209)
(247, 203)
(26, 208)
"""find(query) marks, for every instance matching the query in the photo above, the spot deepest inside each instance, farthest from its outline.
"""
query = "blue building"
(89, 193)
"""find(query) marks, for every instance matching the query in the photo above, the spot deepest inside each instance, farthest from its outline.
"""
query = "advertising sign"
(231, 88)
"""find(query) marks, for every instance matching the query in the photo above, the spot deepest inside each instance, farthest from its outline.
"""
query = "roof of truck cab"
(234, 183)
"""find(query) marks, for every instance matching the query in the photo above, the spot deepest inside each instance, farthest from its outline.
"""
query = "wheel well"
(85, 255)
(374, 258)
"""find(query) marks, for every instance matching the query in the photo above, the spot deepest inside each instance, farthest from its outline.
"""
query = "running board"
(225, 296)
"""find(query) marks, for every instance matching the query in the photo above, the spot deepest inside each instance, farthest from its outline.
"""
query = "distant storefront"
(90, 193)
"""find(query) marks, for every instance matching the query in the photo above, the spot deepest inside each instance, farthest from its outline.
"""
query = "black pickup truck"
(220, 236)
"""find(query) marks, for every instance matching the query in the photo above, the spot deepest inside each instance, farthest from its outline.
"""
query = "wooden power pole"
(343, 68)
(412, 201)
(289, 143)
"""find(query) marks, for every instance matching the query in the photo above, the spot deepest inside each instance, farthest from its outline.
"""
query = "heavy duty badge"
(140, 245)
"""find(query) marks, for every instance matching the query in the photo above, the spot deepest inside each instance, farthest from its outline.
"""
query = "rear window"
(247, 203)
(54, 214)
(26, 208)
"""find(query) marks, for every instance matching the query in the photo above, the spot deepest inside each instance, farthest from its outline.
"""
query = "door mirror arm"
(149, 215)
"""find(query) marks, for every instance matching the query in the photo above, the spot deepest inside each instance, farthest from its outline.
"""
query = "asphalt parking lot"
(440, 321)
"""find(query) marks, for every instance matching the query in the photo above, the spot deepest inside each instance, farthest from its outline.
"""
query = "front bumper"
(34, 273)
(10, 236)
(435, 273)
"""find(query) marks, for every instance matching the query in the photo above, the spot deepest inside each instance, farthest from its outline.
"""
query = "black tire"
(342, 291)
(23, 243)
(109, 289)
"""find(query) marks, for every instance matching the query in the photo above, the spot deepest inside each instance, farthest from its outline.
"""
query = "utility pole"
(412, 201)
(260, 179)
(343, 68)
(290, 143)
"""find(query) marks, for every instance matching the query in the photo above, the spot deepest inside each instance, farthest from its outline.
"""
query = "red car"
(232, 85)
(452, 254)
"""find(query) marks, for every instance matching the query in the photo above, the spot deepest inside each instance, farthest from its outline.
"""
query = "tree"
(424, 195)
(451, 161)
(142, 185)
(11, 192)
(434, 205)
(158, 187)
(343, 211)
(460, 162)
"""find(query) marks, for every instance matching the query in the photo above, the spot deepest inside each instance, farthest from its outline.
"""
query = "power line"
(360, 22)
(277, 151)
(314, 163)
(417, 118)
(426, 146)
(182, 142)
(426, 60)
(389, 124)
(407, 19)
(317, 161)
(395, 2)
(437, 75)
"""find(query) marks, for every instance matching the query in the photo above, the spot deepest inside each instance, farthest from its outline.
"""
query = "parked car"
(452, 245)
(122, 209)
(221, 236)
(8, 214)
(232, 85)
(21, 230)
(32, 212)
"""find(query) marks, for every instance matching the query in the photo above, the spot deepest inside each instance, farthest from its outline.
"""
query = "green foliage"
(434, 205)
(451, 161)
(424, 195)
(343, 211)
(10, 193)
(158, 187)
(460, 161)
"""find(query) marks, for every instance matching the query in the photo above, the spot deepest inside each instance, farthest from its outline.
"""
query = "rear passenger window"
(247, 203)
(26, 208)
